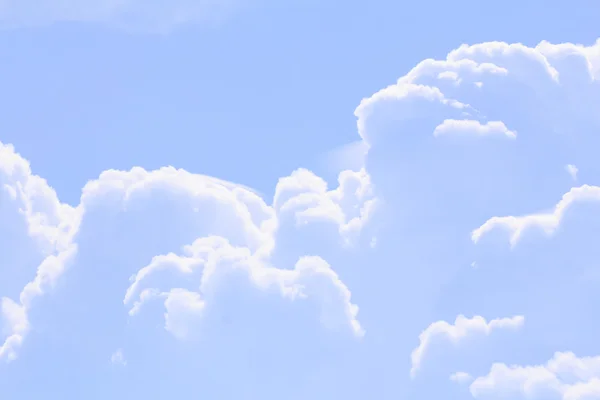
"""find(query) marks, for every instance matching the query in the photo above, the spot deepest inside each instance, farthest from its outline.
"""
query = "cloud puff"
(565, 376)
(16, 326)
(306, 195)
(240, 233)
(461, 377)
(497, 89)
(471, 127)
(572, 170)
(500, 72)
(548, 221)
(51, 224)
(153, 16)
(462, 328)
(549, 94)
(440, 188)
(118, 358)
(311, 276)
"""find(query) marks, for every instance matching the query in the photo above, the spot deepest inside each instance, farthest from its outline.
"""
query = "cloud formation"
(48, 222)
(156, 16)
(467, 173)
(565, 376)
(548, 221)
(461, 377)
(215, 256)
(462, 328)
(471, 127)
(572, 170)
(240, 236)
(208, 241)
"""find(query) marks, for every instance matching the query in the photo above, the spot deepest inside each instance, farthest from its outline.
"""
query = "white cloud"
(242, 225)
(461, 377)
(474, 128)
(51, 224)
(504, 55)
(118, 358)
(591, 54)
(565, 376)
(424, 91)
(548, 94)
(16, 326)
(473, 84)
(403, 91)
(450, 75)
(451, 69)
(411, 90)
(306, 195)
(245, 214)
(181, 305)
(462, 328)
(156, 16)
(215, 256)
(548, 221)
(572, 170)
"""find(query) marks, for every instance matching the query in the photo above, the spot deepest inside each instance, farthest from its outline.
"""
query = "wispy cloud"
(160, 16)
(118, 358)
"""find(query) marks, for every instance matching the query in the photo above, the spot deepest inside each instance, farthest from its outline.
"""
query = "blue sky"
(256, 200)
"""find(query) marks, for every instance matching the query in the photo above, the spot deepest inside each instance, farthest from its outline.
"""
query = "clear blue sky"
(249, 94)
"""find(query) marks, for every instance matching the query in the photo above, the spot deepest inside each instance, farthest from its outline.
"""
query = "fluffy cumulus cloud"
(462, 328)
(547, 221)
(460, 157)
(240, 231)
(129, 14)
(49, 223)
(216, 256)
(306, 195)
(565, 376)
(438, 151)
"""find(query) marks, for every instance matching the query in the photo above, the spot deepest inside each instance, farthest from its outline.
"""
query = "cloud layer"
(156, 16)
